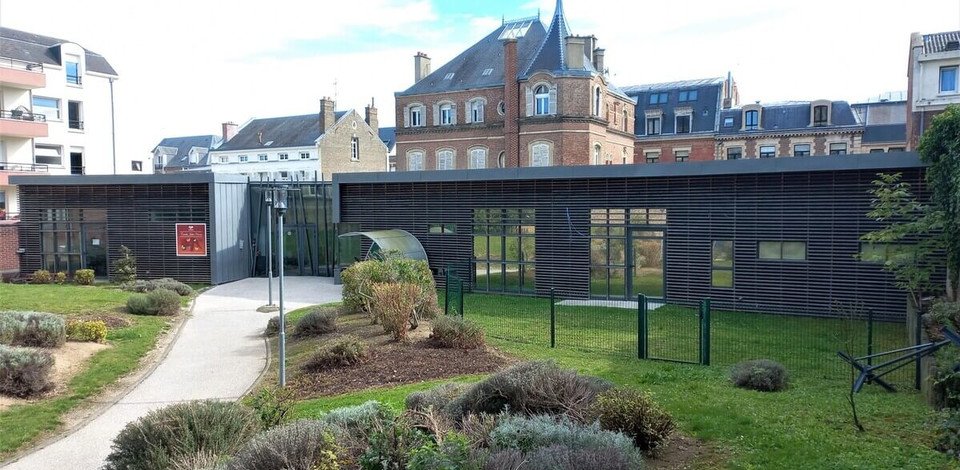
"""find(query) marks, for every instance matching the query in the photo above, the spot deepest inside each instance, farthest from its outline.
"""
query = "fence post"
(705, 332)
(641, 326)
(446, 291)
(553, 319)
(869, 337)
(460, 281)
(918, 367)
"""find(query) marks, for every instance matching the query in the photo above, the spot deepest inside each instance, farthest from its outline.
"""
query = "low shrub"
(437, 398)
(125, 267)
(273, 326)
(390, 444)
(762, 375)
(452, 452)
(301, 445)
(24, 372)
(559, 457)
(59, 278)
(633, 413)
(140, 304)
(33, 329)
(157, 302)
(352, 425)
(41, 276)
(203, 460)
(344, 352)
(84, 277)
(318, 322)
(455, 332)
(94, 331)
(478, 427)
(179, 431)
(393, 306)
(143, 286)
(271, 405)
(359, 278)
(948, 433)
(528, 433)
(536, 387)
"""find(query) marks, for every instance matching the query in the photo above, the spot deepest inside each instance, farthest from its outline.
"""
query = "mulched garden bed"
(392, 363)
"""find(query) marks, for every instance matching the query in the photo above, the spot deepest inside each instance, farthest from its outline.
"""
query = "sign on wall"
(191, 239)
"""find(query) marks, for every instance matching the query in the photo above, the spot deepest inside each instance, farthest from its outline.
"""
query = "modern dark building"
(767, 235)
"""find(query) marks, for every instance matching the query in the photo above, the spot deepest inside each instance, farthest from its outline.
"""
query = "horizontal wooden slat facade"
(825, 209)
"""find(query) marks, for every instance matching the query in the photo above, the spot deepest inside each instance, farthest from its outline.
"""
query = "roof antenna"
(334, 89)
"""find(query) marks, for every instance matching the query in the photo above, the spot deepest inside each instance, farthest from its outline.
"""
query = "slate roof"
(182, 147)
(279, 132)
(468, 67)
(792, 115)
(885, 133)
(553, 48)
(30, 47)
(634, 90)
(937, 42)
(389, 136)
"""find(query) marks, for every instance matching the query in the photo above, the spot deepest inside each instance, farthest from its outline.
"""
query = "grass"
(21, 425)
(806, 426)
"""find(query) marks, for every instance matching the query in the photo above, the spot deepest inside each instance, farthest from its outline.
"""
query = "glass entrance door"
(645, 273)
(300, 251)
(95, 248)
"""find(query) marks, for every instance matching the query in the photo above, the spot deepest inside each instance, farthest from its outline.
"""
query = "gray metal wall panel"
(230, 231)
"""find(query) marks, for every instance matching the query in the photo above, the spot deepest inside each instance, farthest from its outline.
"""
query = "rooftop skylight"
(516, 30)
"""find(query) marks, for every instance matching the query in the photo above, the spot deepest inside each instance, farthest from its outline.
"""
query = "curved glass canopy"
(397, 240)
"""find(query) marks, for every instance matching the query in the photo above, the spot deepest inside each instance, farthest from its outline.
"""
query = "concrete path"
(219, 354)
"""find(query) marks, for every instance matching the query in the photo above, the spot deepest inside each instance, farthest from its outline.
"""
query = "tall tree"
(940, 149)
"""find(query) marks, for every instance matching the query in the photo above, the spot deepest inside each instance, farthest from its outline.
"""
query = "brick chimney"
(511, 101)
(327, 116)
(598, 59)
(421, 66)
(914, 128)
(575, 51)
(370, 115)
(229, 129)
(589, 46)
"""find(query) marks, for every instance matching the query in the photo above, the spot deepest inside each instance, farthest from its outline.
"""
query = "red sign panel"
(191, 239)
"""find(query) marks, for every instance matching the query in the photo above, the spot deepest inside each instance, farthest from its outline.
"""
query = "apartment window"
(445, 160)
(728, 122)
(751, 120)
(787, 251)
(304, 155)
(722, 264)
(948, 79)
(540, 154)
(541, 100)
(896, 149)
(415, 161)
(283, 156)
(73, 70)
(478, 158)
(136, 165)
(683, 124)
(224, 159)
(689, 95)
(415, 113)
(801, 150)
(243, 158)
(597, 100)
(876, 150)
(75, 115)
(262, 157)
(48, 154)
(446, 114)
(625, 117)
(48, 107)
(838, 149)
(653, 126)
(734, 153)
(658, 98)
(652, 157)
(768, 151)
(681, 155)
(476, 110)
(355, 149)
(821, 115)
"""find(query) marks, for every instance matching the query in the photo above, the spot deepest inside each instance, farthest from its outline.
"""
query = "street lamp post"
(268, 198)
(280, 202)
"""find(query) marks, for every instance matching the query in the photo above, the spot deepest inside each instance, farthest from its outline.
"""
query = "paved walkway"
(218, 355)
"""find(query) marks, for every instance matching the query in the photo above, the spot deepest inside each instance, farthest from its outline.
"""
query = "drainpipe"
(113, 128)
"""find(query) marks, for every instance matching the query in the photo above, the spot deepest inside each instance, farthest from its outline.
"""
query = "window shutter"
(553, 99)
(529, 102)
(453, 114)
(406, 117)
(436, 115)
(467, 109)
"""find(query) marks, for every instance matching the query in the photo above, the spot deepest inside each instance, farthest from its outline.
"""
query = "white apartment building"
(933, 80)
(56, 112)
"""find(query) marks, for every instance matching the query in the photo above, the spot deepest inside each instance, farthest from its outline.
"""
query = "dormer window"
(72, 66)
(541, 98)
(821, 115)
(751, 120)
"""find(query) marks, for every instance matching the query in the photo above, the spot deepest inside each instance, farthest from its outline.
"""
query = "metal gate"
(674, 333)
(453, 293)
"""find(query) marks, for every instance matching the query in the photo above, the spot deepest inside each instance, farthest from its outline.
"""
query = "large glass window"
(782, 250)
(608, 247)
(48, 107)
(948, 79)
(48, 154)
(504, 250)
(415, 161)
(445, 160)
(722, 264)
(72, 239)
(751, 120)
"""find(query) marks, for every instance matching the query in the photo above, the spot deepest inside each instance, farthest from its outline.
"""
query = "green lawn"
(21, 425)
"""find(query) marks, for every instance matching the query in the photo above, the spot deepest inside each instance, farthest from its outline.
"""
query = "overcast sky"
(187, 66)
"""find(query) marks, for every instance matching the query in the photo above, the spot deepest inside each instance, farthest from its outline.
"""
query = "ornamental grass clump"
(456, 333)
(301, 445)
(344, 352)
(318, 322)
(762, 375)
(32, 329)
(24, 372)
(393, 306)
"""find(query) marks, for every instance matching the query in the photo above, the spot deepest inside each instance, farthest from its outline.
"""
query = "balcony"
(7, 169)
(19, 74)
(19, 123)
